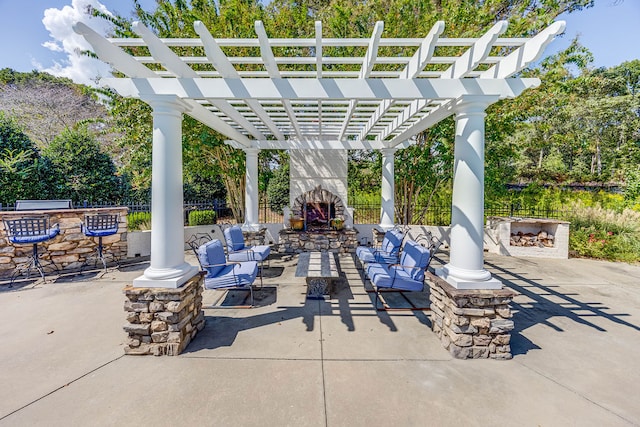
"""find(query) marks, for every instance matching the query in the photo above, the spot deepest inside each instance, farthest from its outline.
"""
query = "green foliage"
(203, 217)
(604, 233)
(278, 189)
(82, 170)
(138, 221)
(21, 168)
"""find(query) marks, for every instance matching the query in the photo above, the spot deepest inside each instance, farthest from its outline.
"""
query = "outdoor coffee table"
(319, 269)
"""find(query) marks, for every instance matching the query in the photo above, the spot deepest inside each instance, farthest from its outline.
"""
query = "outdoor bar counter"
(70, 248)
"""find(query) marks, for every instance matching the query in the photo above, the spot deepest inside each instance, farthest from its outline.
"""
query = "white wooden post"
(168, 268)
(251, 222)
(387, 208)
(465, 269)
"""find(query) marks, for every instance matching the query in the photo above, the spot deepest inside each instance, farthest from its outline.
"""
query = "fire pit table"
(319, 269)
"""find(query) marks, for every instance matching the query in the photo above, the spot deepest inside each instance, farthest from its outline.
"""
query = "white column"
(168, 268)
(251, 222)
(387, 209)
(465, 269)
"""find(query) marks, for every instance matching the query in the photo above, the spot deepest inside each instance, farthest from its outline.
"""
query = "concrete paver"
(338, 362)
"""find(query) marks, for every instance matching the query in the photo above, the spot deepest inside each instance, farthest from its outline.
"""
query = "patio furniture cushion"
(407, 275)
(36, 238)
(233, 275)
(222, 274)
(388, 251)
(211, 257)
(234, 238)
(237, 251)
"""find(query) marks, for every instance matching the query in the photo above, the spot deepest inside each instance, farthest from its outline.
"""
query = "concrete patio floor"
(298, 362)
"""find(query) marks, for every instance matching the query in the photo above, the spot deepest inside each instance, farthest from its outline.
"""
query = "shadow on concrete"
(540, 309)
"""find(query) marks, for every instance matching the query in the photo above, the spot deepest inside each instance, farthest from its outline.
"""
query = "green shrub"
(605, 234)
(205, 217)
(137, 221)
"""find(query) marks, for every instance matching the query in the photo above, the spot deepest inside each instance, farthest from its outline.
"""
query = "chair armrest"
(221, 265)
(413, 267)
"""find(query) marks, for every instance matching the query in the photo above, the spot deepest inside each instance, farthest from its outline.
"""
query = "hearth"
(317, 208)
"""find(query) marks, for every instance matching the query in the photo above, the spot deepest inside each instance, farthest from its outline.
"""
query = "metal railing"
(363, 213)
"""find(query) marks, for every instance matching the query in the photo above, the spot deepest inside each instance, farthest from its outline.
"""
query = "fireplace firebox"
(317, 215)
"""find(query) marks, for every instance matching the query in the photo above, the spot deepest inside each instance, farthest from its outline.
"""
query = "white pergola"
(306, 93)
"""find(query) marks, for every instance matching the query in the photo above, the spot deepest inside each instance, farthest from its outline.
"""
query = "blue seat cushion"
(100, 233)
(392, 277)
(253, 253)
(234, 238)
(212, 253)
(233, 275)
(367, 255)
(37, 238)
(416, 256)
(392, 241)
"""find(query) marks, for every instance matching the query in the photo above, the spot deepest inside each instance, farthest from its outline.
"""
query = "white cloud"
(59, 22)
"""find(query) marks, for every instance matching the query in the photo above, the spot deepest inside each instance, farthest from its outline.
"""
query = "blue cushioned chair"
(407, 275)
(237, 251)
(388, 252)
(100, 225)
(223, 274)
(30, 231)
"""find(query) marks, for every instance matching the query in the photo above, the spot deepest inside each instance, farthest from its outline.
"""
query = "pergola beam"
(414, 67)
(274, 73)
(464, 65)
(365, 70)
(175, 65)
(227, 70)
(318, 144)
(320, 89)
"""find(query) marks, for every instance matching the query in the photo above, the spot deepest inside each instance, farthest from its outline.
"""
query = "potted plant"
(336, 223)
(296, 223)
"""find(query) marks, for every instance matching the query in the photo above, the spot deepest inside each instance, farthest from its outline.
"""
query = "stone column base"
(471, 324)
(163, 321)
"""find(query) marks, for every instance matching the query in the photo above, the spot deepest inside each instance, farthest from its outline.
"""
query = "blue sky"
(611, 30)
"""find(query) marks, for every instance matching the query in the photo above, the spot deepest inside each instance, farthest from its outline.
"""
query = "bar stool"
(100, 225)
(30, 231)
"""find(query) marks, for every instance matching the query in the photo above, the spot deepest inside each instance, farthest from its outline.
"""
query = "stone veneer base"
(163, 321)
(341, 241)
(471, 324)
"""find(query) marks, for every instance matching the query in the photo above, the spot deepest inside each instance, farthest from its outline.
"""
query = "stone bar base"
(340, 241)
(163, 321)
(471, 324)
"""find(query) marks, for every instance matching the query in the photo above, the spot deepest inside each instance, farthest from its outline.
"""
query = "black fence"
(362, 213)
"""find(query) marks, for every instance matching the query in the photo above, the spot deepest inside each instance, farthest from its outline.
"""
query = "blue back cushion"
(235, 239)
(212, 253)
(414, 255)
(392, 241)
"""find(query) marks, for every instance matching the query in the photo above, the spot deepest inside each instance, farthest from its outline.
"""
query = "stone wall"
(342, 241)
(471, 324)
(69, 249)
(163, 321)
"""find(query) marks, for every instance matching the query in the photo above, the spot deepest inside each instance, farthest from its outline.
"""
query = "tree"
(46, 105)
(21, 168)
(278, 189)
(82, 170)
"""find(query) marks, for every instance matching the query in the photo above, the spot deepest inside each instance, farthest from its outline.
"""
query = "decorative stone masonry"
(341, 241)
(471, 324)
(163, 321)
(254, 238)
(319, 195)
(69, 249)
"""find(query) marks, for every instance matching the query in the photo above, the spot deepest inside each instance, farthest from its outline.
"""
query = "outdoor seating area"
(328, 351)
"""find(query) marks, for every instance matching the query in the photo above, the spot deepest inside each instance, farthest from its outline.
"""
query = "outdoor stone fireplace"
(318, 207)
